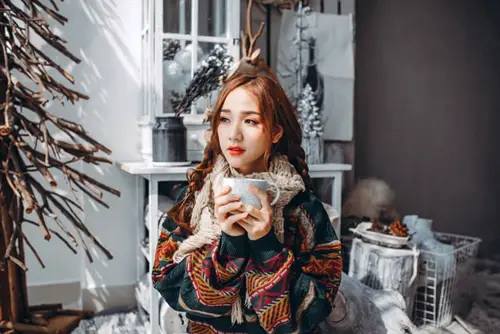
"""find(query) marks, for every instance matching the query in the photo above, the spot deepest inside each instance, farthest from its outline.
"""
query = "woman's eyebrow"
(246, 112)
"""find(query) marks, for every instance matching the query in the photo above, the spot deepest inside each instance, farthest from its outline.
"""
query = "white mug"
(239, 186)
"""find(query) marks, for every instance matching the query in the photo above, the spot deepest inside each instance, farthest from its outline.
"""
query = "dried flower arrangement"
(396, 228)
(206, 79)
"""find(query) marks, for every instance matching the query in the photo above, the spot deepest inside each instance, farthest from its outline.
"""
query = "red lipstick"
(235, 150)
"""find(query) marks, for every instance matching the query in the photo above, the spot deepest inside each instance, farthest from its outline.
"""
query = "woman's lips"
(236, 150)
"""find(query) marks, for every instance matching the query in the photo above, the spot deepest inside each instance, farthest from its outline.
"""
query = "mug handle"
(277, 196)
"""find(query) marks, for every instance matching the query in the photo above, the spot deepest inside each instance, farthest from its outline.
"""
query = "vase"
(313, 148)
(169, 139)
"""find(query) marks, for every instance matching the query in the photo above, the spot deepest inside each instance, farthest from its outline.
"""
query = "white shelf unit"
(143, 171)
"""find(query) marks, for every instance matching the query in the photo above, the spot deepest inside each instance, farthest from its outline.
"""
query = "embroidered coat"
(288, 288)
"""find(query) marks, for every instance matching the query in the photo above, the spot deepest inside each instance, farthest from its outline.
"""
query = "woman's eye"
(251, 121)
(224, 120)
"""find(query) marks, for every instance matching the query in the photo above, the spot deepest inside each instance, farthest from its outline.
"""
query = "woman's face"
(242, 137)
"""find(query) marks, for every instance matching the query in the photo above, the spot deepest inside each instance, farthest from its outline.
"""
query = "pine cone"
(377, 226)
(399, 229)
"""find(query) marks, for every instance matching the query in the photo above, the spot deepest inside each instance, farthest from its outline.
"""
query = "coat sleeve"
(206, 282)
(294, 289)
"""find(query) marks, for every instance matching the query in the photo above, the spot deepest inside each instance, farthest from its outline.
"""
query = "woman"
(238, 269)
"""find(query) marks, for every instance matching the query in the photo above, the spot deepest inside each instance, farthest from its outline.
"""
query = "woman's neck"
(258, 166)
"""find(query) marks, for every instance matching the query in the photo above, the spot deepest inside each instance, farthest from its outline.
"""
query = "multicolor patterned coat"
(290, 287)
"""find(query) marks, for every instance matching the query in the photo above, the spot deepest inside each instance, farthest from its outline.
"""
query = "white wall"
(105, 35)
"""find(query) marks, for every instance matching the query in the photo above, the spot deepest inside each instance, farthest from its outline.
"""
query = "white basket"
(437, 298)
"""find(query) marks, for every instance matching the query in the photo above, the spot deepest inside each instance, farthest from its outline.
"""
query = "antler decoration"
(247, 37)
(250, 62)
(284, 4)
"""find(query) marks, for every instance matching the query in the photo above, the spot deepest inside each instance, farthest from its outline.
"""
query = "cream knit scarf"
(203, 223)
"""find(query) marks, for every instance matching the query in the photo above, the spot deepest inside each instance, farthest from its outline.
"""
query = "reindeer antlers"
(247, 37)
(250, 63)
(285, 4)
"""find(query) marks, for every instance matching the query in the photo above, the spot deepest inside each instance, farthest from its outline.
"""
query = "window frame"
(231, 40)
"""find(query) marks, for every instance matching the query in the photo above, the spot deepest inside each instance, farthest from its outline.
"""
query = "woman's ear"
(277, 134)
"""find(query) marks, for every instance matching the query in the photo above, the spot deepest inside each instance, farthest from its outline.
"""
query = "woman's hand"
(225, 210)
(259, 222)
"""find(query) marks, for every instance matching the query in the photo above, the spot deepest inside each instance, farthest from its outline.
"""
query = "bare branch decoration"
(27, 146)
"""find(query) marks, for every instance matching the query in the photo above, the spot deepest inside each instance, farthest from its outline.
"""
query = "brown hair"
(276, 110)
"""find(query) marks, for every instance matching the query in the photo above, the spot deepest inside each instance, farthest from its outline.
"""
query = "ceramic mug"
(239, 186)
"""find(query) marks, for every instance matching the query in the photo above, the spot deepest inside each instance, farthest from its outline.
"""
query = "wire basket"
(437, 298)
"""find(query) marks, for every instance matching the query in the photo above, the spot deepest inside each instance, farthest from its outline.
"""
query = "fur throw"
(370, 198)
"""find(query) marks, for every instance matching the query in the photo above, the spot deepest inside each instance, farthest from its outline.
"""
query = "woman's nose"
(236, 132)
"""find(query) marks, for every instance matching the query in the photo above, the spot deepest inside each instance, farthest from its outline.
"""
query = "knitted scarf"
(203, 223)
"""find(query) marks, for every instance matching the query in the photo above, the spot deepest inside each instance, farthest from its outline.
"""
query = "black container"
(169, 139)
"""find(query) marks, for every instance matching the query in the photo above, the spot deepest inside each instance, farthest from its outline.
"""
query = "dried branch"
(27, 146)
(57, 234)
(251, 62)
(247, 38)
(34, 251)
(284, 4)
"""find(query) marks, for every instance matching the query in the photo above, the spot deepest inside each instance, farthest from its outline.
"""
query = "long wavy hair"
(276, 110)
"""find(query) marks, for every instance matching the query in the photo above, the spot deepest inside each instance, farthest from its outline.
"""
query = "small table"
(156, 174)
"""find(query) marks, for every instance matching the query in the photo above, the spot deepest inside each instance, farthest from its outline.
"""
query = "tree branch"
(25, 137)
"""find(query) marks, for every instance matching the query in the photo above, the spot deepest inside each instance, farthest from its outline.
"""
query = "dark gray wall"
(428, 108)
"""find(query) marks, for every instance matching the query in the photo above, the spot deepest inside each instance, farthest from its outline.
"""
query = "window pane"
(177, 16)
(212, 18)
(176, 71)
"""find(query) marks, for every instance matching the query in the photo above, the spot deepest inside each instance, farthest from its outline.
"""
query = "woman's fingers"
(225, 197)
(232, 206)
(245, 224)
(234, 218)
(252, 211)
(223, 191)
(250, 221)
(262, 196)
